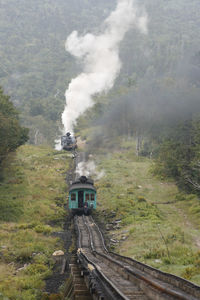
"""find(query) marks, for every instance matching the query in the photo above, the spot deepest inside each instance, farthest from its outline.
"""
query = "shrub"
(141, 199)
(155, 253)
(166, 261)
(132, 230)
(46, 229)
(2, 297)
(24, 254)
(128, 220)
(35, 269)
(180, 197)
(130, 191)
(188, 273)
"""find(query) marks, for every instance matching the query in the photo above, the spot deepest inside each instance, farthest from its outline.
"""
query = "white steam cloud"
(100, 55)
(89, 169)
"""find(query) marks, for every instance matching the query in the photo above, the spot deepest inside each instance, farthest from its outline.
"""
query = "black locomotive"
(68, 142)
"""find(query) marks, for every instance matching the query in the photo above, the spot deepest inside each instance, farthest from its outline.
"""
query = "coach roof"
(78, 186)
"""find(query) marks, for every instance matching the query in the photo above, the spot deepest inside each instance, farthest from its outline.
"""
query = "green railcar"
(82, 196)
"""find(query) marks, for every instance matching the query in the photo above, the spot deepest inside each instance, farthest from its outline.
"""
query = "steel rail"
(158, 274)
(101, 235)
(154, 283)
(100, 275)
(90, 234)
(160, 278)
(114, 288)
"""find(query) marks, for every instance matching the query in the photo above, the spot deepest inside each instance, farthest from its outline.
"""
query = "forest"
(155, 98)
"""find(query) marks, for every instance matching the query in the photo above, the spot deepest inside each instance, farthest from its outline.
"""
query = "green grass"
(159, 225)
(32, 199)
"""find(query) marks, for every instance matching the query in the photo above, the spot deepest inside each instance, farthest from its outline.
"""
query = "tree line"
(12, 133)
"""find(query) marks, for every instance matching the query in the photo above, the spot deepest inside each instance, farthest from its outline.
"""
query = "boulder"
(58, 253)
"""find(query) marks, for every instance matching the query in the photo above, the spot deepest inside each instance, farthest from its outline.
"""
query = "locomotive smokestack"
(100, 56)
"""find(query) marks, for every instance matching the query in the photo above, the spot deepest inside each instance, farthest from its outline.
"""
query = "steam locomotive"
(68, 142)
(82, 196)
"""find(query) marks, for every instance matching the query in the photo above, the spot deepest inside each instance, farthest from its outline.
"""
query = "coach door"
(80, 199)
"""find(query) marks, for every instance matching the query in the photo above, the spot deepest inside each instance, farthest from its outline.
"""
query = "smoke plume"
(89, 169)
(100, 56)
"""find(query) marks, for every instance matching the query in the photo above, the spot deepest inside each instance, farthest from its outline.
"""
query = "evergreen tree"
(12, 135)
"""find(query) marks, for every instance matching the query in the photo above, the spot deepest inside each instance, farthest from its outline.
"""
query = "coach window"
(92, 197)
(73, 197)
(87, 197)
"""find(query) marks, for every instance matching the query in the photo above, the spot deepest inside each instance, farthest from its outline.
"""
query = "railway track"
(111, 276)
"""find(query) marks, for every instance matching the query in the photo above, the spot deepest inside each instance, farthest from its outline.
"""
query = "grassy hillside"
(156, 224)
(159, 225)
(32, 198)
